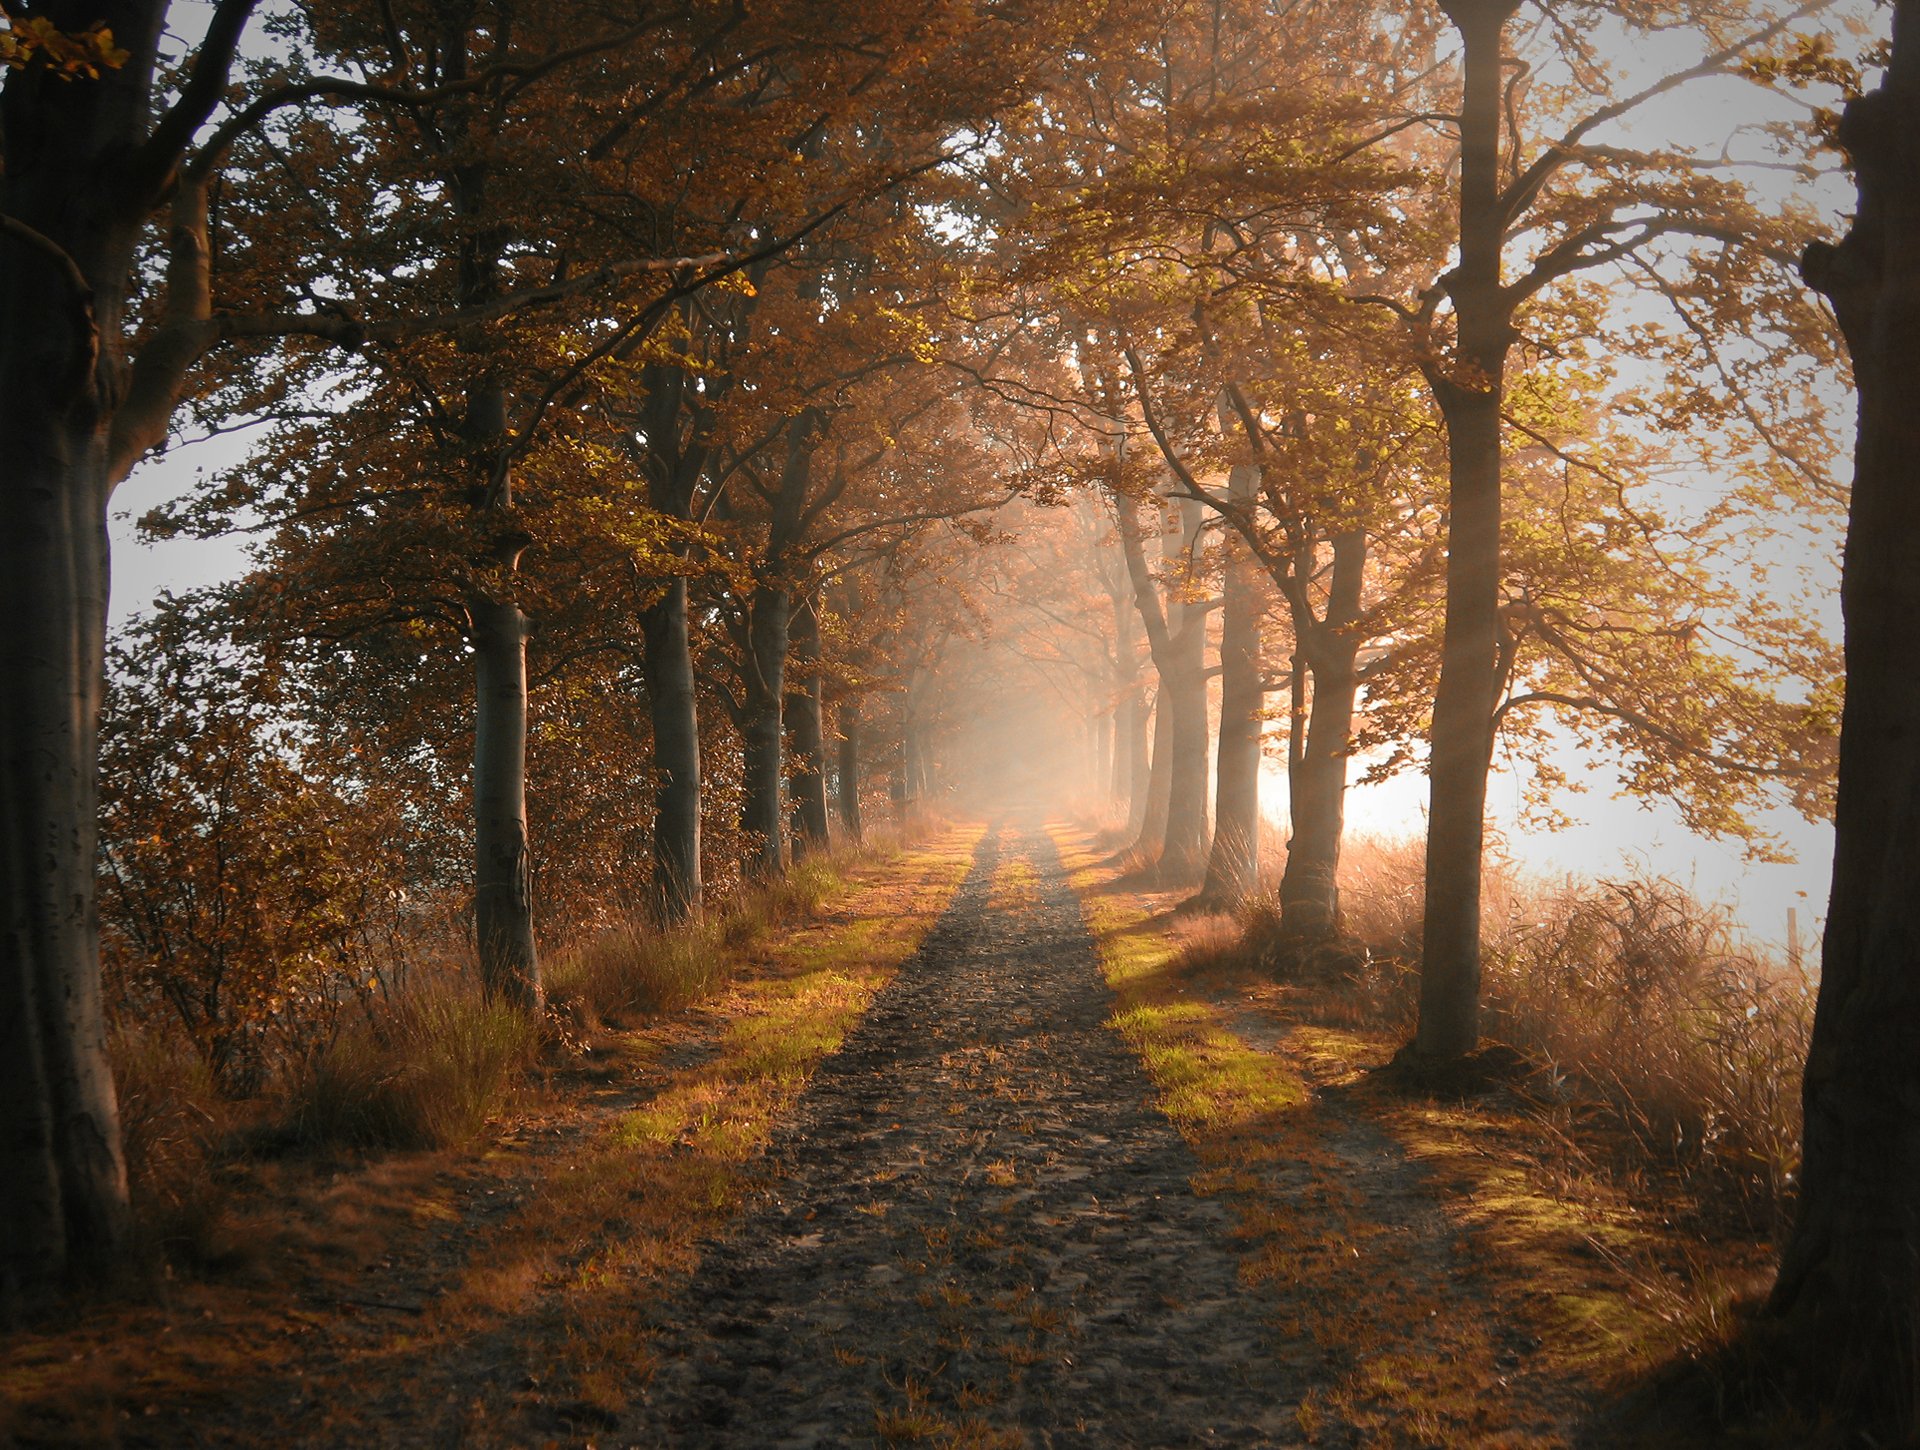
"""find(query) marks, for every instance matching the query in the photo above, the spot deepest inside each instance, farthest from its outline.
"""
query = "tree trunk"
(1173, 835)
(1133, 760)
(848, 799)
(1233, 867)
(1310, 888)
(1183, 852)
(1849, 1285)
(63, 1187)
(503, 865)
(1317, 770)
(1468, 387)
(1130, 706)
(63, 1190)
(1152, 838)
(760, 815)
(1102, 768)
(906, 778)
(809, 734)
(672, 706)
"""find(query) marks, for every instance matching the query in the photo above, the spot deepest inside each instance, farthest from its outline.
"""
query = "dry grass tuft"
(1636, 992)
(634, 968)
(431, 1073)
(171, 1118)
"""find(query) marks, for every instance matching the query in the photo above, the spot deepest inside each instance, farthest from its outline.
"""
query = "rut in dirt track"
(978, 1221)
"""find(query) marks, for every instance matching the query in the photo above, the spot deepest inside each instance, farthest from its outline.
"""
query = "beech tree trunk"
(848, 798)
(1310, 887)
(1317, 766)
(1173, 835)
(1849, 1286)
(1233, 866)
(1183, 853)
(1152, 839)
(1130, 764)
(1468, 387)
(809, 783)
(502, 854)
(761, 815)
(63, 1191)
(1132, 760)
(503, 864)
(673, 708)
(673, 458)
(69, 183)
(1183, 688)
(1102, 769)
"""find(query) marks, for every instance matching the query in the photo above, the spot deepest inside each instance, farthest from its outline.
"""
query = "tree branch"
(1528, 185)
(159, 155)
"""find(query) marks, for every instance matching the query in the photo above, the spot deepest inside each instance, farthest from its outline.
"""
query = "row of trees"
(660, 367)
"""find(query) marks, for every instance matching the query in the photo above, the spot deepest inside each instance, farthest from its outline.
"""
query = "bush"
(250, 886)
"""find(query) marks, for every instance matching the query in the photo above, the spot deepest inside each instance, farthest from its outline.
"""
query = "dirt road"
(983, 1229)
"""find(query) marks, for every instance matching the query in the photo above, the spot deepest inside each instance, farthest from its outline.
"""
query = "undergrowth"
(428, 1063)
(1630, 997)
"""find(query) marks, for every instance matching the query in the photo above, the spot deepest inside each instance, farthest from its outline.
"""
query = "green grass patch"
(1209, 1078)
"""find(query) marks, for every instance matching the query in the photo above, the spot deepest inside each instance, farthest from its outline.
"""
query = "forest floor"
(989, 1154)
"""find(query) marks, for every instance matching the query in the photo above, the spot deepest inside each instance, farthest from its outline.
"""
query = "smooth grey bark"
(1134, 759)
(1469, 393)
(677, 426)
(805, 723)
(63, 1192)
(1176, 639)
(673, 708)
(1328, 649)
(761, 815)
(1152, 837)
(503, 862)
(1849, 1285)
(769, 613)
(1103, 736)
(1130, 757)
(847, 798)
(916, 771)
(77, 193)
(1233, 865)
(1183, 852)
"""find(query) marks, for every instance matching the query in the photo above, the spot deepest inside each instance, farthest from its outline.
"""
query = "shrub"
(246, 886)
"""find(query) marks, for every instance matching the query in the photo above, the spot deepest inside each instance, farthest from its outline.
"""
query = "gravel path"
(979, 1228)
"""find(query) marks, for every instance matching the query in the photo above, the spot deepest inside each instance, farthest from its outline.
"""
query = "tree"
(1633, 201)
(86, 165)
(1849, 1285)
